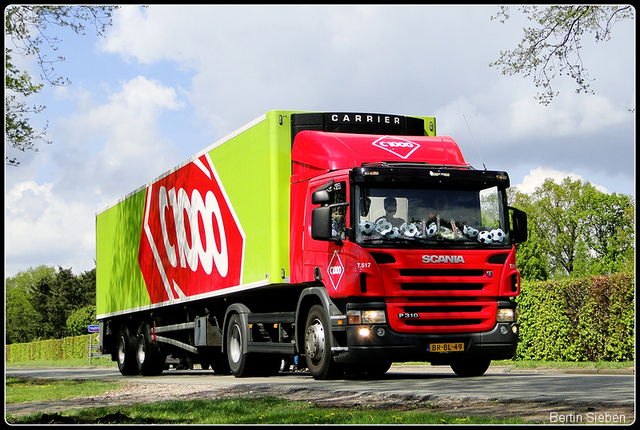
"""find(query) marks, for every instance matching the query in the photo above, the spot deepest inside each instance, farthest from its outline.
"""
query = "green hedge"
(53, 349)
(589, 319)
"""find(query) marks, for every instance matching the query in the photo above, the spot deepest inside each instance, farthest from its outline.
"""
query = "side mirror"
(321, 223)
(519, 232)
(320, 197)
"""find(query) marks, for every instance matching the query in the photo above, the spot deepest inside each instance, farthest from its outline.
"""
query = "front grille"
(457, 295)
(442, 316)
(441, 272)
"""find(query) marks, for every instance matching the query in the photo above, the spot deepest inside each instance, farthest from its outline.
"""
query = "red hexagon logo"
(403, 148)
(335, 270)
(191, 242)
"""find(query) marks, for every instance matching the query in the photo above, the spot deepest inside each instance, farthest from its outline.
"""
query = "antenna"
(474, 142)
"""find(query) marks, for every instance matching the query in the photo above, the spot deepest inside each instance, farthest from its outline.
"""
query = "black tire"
(317, 345)
(126, 354)
(149, 355)
(236, 347)
(471, 367)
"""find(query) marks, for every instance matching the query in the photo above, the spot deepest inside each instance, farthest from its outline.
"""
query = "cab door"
(323, 259)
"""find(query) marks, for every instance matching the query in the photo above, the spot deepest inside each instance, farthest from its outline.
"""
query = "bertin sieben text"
(588, 418)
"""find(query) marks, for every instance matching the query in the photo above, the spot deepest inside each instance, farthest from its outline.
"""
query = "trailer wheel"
(317, 345)
(236, 354)
(471, 367)
(149, 356)
(126, 354)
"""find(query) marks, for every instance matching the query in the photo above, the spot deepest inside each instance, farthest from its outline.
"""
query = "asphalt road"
(499, 383)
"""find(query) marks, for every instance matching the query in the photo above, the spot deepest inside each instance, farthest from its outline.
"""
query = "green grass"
(75, 362)
(26, 390)
(251, 410)
(247, 410)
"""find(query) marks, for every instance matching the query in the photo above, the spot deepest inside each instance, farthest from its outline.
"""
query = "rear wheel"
(471, 367)
(149, 355)
(126, 354)
(317, 345)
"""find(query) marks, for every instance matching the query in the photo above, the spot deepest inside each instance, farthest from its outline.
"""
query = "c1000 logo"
(191, 241)
(403, 148)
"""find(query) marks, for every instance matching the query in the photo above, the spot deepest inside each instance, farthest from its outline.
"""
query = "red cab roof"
(316, 152)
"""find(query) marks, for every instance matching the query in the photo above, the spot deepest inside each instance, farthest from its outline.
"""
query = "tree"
(608, 229)
(56, 298)
(80, 319)
(575, 230)
(553, 46)
(20, 316)
(27, 29)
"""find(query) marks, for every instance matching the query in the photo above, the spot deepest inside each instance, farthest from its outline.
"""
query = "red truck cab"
(413, 245)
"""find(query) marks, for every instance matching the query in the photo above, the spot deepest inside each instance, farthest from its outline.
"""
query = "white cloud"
(113, 148)
(250, 59)
(103, 152)
(524, 117)
(537, 176)
(565, 116)
(63, 230)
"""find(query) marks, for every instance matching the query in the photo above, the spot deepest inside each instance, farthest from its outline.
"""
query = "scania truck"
(343, 241)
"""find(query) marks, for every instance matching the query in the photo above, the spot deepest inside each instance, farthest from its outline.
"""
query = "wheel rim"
(121, 350)
(235, 344)
(314, 340)
(141, 351)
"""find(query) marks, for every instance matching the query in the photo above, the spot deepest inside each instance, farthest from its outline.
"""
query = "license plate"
(445, 347)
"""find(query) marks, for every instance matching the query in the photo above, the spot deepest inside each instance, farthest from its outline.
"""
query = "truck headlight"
(366, 317)
(506, 315)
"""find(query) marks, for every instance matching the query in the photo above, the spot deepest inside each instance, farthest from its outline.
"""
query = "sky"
(168, 81)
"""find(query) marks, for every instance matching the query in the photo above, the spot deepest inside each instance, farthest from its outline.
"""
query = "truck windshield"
(431, 218)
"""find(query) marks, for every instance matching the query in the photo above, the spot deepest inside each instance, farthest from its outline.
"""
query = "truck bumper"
(383, 344)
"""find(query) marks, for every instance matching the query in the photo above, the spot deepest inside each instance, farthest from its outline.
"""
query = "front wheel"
(317, 345)
(471, 367)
